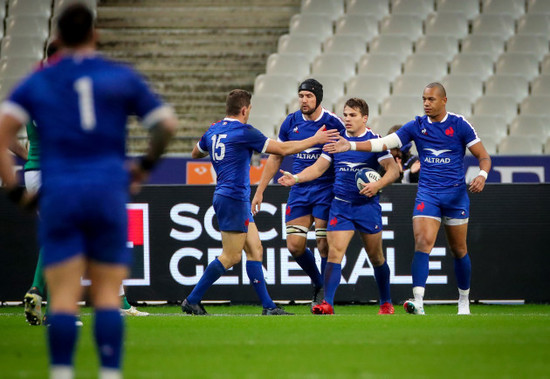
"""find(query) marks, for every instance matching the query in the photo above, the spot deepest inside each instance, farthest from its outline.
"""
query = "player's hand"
(339, 146)
(137, 177)
(399, 162)
(257, 202)
(370, 189)
(287, 179)
(415, 167)
(477, 184)
(325, 136)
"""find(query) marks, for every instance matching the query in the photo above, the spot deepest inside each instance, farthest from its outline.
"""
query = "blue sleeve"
(203, 143)
(143, 99)
(405, 133)
(254, 138)
(468, 133)
(336, 123)
(285, 127)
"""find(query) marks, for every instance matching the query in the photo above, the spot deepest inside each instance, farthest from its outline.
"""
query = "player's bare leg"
(338, 242)
(456, 237)
(254, 269)
(63, 280)
(425, 233)
(373, 246)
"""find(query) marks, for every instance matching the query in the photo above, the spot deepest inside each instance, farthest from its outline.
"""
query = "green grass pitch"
(496, 341)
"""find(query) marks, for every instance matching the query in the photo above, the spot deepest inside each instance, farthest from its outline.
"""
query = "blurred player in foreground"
(441, 139)
(80, 105)
(230, 143)
(352, 209)
(308, 203)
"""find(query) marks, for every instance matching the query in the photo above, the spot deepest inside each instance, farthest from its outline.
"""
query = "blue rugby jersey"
(347, 164)
(294, 128)
(82, 120)
(230, 144)
(441, 147)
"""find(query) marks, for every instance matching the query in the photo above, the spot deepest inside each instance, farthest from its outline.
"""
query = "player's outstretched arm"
(292, 147)
(308, 174)
(374, 145)
(478, 151)
(271, 166)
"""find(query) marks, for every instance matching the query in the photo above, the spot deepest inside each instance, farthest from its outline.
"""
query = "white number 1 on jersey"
(218, 144)
(84, 88)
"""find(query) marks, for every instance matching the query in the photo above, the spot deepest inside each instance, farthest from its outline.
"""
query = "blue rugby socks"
(323, 266)
(382, 276)
(212, 273)
(333, 274)
(255, 273)
(463, 272)
(62, 335)
(307, 263)
(109, 335)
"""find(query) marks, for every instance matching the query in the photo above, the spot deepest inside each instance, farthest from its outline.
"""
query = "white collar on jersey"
(230, 119)
(444, 119)
(362, 134)
(318, 118)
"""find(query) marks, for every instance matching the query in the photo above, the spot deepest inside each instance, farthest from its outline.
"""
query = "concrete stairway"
(193, 52)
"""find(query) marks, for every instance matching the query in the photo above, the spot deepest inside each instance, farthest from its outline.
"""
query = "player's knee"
(422, 243)
(256, 253)
(336, 255)
(296, 239)
(459, 251)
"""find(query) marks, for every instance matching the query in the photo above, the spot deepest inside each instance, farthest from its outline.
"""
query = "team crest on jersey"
(449, 131)
(334, 221)
(295, 130)
(420, 207)
(424, 131)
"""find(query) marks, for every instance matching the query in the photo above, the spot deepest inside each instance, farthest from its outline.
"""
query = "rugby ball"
(366, 175)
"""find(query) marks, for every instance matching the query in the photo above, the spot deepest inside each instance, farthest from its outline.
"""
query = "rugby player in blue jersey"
(80, 104)
(230, 143)
(307, 203)
(352, 209)
(441, 138)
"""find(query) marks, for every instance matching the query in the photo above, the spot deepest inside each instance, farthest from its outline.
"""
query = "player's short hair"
(236, 99)
(53, 47)
(75, 25)
(394, 129)
(439, 86)
(359, 104)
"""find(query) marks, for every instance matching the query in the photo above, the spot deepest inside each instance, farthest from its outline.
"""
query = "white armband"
(353, 145)
(391, 141)
(483, 173)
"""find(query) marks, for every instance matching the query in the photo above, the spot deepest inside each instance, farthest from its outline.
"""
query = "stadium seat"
(477, 64)
(16, 67)
(470, 8)
(525, 121)
(368, 85)
(495, 126)
(330, 8)
(537, 130)
(2, 10)
(523, 64)
(541, 85)
(536, 105)
(461, 105)
(390, 44)
(30, 8)
(547, 147)
(446, 45)
(499, 105)
(520, 145)
(360, 25)
(342, 65)
(271, 106)
(7, 83)
(23, 46)
(404, 25)
(294, 104)
(483, 44)
(372, 101)
(419, 8)
(402, 105)
(513, 85)
(320, 25)
(376, 8)
(434, 64)
(514, 8)
(333, 88)
(60, 4)
(545, 65)
(447, 24)
(382, 124)
(538, 7)
(527, 43)
(299, 43)
(276, 84)
(37, 26)
(388, 65)
(501, 26)
(411, 84)
(293, 64)
(462, 85)
(488, 142)
(345, 43)
(535, 24)
(265, 124)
